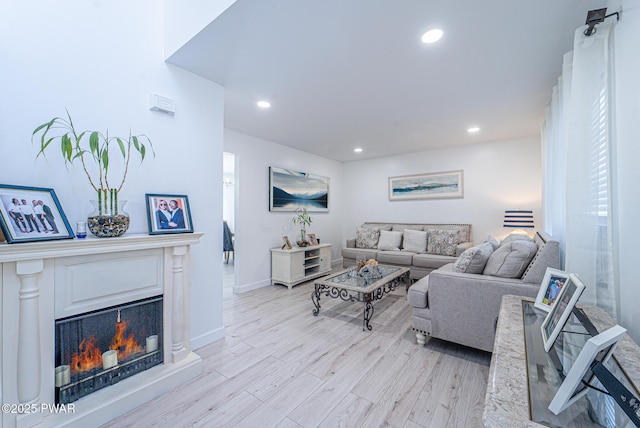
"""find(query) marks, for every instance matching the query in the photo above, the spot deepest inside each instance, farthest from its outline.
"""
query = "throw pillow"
(367, 237)
(474, 259)
(494, 242)
(414, 241)
(389, 241)
(515, 237)
(441, 241)
(511, 259)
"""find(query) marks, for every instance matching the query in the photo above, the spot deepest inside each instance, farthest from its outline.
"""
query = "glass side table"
(546, 371)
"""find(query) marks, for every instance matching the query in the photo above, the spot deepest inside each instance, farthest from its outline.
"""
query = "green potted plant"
(303, 219)
(94, 147)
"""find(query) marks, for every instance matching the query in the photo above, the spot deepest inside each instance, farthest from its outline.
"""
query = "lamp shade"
(520, 219)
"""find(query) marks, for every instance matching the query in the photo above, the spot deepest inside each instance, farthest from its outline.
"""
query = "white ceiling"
(342, 74)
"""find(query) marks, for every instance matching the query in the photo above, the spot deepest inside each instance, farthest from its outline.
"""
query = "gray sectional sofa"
(463, 307)
(442, 249)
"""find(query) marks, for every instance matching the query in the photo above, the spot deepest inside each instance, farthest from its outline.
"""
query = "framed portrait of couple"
(31, 214)
(168, 214)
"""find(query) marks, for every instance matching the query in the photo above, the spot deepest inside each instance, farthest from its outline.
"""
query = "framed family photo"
(168, 214)
(561, 310)
(287, 243)
(29, 214)
(312, 238)
(550, 288)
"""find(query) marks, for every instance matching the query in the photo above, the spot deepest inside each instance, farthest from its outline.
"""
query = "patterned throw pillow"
(474, 259)
(414, 241)
(367, 237)
(389, 241)
(441, 241)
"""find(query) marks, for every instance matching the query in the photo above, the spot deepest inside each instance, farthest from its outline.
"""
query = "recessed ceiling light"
(432, 36)
(263, 104)
(473, 130)
(357, 150)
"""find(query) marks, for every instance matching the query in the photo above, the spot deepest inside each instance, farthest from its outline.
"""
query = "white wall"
(257, 229)
(101, 60)
(497, 176)
(627, 45)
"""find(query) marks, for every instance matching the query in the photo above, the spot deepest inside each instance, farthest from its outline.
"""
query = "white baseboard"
(207, 338)
(239, 289)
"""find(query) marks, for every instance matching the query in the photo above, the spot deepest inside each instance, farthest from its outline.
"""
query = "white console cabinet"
(299, 264)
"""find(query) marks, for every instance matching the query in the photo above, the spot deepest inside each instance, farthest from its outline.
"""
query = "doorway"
(229, 180)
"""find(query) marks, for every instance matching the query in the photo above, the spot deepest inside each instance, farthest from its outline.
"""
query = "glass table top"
(546, 371)
(351, 278)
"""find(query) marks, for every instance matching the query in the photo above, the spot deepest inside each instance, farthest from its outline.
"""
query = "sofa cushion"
(511, 259)
(432, 261)
(356, 253)
(548, 255)
(442, 241)
(389, 241)
(403, 258)
(414, 241)
(474, 259)
(367, 237)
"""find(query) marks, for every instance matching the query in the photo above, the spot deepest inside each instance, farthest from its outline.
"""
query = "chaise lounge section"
(463, 307)
(422, 247)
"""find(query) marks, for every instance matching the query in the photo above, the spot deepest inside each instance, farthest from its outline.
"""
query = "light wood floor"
(279, 366)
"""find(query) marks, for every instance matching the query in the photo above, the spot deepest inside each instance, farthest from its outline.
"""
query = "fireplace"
(59, 297)
(98, 349)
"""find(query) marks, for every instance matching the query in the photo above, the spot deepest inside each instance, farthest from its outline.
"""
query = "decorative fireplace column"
(44, 281)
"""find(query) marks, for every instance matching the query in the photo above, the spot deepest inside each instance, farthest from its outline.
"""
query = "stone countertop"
(507, 396)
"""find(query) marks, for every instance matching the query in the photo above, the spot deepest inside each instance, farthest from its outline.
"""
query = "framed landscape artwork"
(29, 214)
(291, 190)
(437, 185)
(168, 214)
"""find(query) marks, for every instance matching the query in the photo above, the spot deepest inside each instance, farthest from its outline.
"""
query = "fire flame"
(90, 356)
(125, 347)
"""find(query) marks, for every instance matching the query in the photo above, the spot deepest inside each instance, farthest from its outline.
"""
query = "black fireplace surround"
(100, 348)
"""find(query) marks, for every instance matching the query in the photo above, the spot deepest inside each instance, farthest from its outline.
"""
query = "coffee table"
(353, 288)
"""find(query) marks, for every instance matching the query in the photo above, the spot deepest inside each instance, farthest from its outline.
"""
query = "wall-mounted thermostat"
(163, 104)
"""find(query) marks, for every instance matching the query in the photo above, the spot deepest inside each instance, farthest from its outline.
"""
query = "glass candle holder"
(81, 229)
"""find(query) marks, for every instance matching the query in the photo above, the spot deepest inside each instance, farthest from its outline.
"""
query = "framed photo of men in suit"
(30, 214)
(168, 214)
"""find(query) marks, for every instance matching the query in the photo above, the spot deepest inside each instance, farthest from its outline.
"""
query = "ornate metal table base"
(348, 295)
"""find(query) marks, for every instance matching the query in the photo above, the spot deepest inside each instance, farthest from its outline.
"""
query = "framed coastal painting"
(550, 288)
(291, 190)
(29, 214)
(168, 214)
(437, 185)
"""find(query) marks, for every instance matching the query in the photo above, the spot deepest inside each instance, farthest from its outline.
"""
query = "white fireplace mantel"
(42, 281)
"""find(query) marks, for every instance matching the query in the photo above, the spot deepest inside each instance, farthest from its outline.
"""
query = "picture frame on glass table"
(31, 214)
(561, 310)
(552, 284)
(598, 349)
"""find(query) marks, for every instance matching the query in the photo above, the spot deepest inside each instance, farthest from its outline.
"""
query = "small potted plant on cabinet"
(303, 219)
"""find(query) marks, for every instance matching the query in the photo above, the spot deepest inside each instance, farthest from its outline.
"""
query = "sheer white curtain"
(577, 143)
